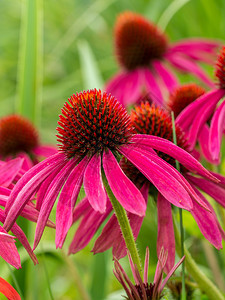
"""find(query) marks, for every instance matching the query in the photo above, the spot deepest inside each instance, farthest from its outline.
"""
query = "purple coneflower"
(19, 138)
(94, 131)
(142, 290)
(157, 122)
(142, 50)
(193, 119)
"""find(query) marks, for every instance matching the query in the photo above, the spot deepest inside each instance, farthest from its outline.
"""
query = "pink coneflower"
(18, 137)
(10, 172)
(142, 50)
(147, 118)
(193, 119)
(179, 99)
(94, 131)
(142, 290)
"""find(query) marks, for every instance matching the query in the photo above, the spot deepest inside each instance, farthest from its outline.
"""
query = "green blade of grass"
(30, 61)
(90, 71)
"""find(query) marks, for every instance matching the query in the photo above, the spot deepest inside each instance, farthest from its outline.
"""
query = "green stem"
(183, 293)
(124, 226)
(204, 283)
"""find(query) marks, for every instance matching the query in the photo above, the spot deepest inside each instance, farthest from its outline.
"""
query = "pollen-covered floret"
(92, 122)
(17, 134)
(138, 41)
(220, 68)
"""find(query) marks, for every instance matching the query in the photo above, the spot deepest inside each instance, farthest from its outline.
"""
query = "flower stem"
(124, 226)
(203, 282)
(183, 293)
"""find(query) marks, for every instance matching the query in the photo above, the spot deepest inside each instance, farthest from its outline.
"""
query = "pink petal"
(93, 185)
(166, 184)
(27, 185)
(45, 151)
(125, 87)
(207, 224)
(9, 252)
(168, 78)
(122, 187)
(50, 198)
(27, 162)
(203, 139)
(165, 231)
(81, 209)
(90, 223)
(67, 200)
(160, 144)
(5, 237)
(9, 170)
(185, 64)
(216, 191)
(152, 87)
(187, 46)
(17, 231)
(216, 131)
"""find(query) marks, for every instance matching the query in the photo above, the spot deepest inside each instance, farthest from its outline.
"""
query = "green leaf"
(30, 61)
(90, 71)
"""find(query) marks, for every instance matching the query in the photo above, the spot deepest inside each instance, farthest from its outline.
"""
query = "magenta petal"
(216, 131)
(168, 78)
(207, 223)
(9, 252)
(152, 87)
(185, 118)
(122, 187)
(160, 144)
(67, 200)
(5, 237)
(110, 233)
(216, 191)
(185, 64)
(45, 151)
(166, 184)
(203, 140)
(81, 209)
(165, 231)
(93, 184)
(9, 170)
(88, 227)
(189, 45)
(18, 232)
(27, 185)
(50, 198)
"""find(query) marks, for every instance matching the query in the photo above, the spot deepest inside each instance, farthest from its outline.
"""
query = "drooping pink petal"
(216, 191)
(160, 144)
(50, 198)
(125, 87)
(216, 131)
(81, 209)
(5, 237)
(9, 170)
(67, 201)
(165, 231)
(27, 162)
(93, 185)
(152, 87)
(167, 185)
(203, 140)
(207, 223)
(168, 78)
(122, 187)
(90, 223)
(8, 291)
(28, 184)
(185, 64)
(9, 252)
(44, 151)
(190, 45)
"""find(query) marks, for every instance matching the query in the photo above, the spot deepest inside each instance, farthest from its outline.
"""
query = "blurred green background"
(68, 47)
